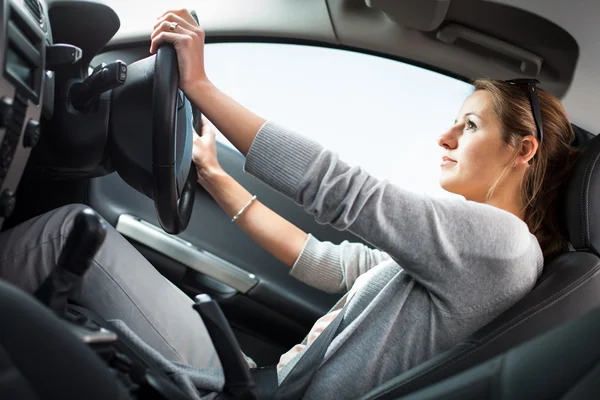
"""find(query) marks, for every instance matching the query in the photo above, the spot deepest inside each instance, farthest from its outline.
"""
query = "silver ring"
(173, 26)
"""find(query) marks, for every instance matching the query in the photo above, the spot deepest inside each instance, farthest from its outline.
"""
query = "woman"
(444, 268)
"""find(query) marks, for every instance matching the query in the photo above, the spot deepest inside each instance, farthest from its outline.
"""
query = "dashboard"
(26, 90)
(54, 110)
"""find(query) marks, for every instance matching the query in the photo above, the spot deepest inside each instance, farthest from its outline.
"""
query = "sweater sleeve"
(459, 250)
(334, 268)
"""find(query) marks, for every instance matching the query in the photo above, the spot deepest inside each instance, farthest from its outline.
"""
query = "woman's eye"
(470, 125)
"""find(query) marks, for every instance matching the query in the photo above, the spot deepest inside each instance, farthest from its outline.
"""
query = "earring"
(514, 162)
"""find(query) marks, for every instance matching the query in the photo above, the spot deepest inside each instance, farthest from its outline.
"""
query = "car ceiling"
(351, 23)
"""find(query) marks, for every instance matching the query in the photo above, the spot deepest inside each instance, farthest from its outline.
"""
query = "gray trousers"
(121, 284)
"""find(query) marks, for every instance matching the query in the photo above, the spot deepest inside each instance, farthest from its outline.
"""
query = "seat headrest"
(583, 199)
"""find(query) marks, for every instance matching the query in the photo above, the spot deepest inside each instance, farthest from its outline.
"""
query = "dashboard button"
(7, 203)
(6, 155)
(32, 133)
(6, 111)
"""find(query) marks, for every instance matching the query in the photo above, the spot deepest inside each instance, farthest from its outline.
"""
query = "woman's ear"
(528, 149)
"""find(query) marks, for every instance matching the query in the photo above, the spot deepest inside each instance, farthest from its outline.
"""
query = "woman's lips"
(446, 161)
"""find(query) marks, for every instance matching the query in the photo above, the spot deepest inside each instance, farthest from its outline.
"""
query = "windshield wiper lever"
(61, 54)
(104, 78)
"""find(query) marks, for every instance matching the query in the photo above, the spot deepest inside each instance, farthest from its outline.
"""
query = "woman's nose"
(448, 139)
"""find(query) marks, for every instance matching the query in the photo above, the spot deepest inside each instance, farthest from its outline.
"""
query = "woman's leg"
(121, 284)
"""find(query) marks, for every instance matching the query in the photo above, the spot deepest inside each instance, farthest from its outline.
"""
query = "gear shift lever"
(82, 244)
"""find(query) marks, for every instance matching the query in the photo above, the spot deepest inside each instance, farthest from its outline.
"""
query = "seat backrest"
(563, 363)
(569, 287)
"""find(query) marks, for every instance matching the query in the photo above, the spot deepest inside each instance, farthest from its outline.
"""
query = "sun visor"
(469, 38)
(422, 15)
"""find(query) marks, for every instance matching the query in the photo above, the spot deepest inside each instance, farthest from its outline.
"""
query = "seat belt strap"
(296, 382)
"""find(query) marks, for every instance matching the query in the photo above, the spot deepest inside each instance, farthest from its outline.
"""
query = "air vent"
(35, 7)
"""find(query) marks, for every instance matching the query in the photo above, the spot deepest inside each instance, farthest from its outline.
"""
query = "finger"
(197, 144)
(166, 12)
(187, 15)
(164, 37)
(164, 25)
(208, 131)
(181, 33)
(182, 12)
(196, 154)
(172, 17)
(180, 37)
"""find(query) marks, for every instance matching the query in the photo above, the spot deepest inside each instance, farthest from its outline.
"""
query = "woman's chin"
(444, 182)
(449, 185)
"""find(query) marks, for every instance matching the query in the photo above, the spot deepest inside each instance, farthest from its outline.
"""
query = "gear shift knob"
(82, 244)
(84, 240)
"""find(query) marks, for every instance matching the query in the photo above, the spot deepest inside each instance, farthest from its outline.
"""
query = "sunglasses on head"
(534, 101)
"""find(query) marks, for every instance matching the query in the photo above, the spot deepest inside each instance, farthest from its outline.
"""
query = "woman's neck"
(508, 195)
(512, 207)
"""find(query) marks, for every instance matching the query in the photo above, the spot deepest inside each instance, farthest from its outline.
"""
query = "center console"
(24, 37)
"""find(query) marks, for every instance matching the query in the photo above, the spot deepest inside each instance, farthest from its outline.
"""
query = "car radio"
(24, 56)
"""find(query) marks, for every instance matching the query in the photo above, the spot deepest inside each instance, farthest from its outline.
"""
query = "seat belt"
(265, 379)
(296, 382)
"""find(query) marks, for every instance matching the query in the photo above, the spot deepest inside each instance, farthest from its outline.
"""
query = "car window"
(378, 113)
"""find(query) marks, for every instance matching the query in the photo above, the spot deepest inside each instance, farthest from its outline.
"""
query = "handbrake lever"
(82, 244)
(239, 384)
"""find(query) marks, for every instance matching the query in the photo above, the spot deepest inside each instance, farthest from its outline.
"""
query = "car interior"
(89, 116)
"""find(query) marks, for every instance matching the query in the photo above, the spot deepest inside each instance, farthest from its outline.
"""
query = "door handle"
(185, 253)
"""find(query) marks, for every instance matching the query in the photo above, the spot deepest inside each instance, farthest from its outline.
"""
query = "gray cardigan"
(444, 268)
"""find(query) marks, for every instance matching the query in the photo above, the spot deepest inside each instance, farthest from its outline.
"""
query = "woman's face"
(474, 154)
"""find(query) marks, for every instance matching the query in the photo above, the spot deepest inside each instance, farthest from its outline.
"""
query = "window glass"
(378, 113)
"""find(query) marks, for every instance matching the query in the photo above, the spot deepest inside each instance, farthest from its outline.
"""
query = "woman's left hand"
(204, 154)
(179, 28)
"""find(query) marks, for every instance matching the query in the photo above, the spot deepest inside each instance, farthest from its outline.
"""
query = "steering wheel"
(151, 137)
(174, 180)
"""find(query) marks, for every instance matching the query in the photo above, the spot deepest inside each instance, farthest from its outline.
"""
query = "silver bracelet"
(243, 209)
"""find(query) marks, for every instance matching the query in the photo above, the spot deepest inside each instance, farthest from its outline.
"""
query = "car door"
(375, 112)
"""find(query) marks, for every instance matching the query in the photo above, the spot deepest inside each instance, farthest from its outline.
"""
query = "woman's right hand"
(179, 28)
(204, 153)
(238, 124)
